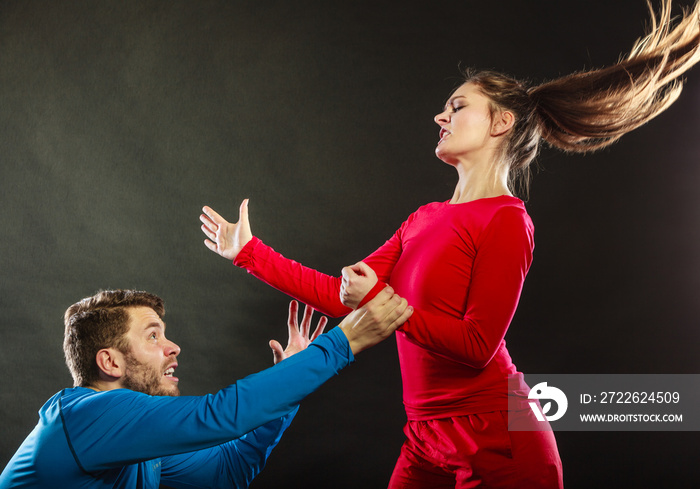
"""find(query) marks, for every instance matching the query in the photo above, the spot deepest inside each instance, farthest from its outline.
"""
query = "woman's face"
(465, 125)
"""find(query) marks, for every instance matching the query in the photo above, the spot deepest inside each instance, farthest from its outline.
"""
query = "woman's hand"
(225, 238)
(299, 337)
(358, 280)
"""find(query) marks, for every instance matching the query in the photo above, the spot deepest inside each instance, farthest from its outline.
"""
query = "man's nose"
(171, 349)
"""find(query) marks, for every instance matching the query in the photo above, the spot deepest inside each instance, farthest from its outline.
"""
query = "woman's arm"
(235, 241)
(319, 290)
(499, 270)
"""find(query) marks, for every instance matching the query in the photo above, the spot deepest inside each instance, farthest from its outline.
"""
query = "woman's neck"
(479, 182)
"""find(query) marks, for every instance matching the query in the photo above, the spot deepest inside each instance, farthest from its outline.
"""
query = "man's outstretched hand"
(299, 337)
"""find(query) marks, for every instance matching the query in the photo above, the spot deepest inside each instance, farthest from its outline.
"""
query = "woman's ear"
(503, 121)
(111, 363)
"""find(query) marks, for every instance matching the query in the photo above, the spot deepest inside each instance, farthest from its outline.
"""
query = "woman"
(461, 264)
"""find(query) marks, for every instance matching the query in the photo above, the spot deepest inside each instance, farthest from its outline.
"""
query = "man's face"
(151, 360)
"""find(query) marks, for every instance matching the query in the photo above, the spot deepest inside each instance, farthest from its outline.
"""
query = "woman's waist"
(434, 382)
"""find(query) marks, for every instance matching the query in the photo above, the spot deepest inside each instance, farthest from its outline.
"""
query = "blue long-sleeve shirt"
(126, 439)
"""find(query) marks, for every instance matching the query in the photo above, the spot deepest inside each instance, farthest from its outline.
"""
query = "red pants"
(476, 450)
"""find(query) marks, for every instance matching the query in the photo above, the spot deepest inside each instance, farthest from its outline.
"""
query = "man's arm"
(118, 427)
(233, 464)
(236, 463)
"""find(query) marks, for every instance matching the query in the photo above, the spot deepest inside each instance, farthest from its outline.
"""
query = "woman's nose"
(442, 118)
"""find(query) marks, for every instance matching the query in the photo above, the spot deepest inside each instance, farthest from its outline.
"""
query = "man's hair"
(98, 322)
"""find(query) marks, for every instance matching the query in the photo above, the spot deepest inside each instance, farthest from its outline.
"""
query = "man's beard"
(145, 379)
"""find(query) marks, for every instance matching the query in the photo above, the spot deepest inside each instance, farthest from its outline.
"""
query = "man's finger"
(382, 301)
(400, 315)
(319, 328)
(293, 320)
(306, 321)
(277, 351)
(408, 312)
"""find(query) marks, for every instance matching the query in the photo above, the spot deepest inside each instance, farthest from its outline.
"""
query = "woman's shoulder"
(488, 206)
(509, 217)
(504, 212)
(476, 214)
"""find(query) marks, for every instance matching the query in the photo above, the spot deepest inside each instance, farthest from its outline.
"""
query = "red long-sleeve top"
(462, 267)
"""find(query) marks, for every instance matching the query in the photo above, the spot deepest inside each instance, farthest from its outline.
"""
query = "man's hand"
(225, 238)
(358, 280)
(376, 320)
(299, 337)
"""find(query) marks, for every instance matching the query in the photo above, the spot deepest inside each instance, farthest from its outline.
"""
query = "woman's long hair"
(592, 109)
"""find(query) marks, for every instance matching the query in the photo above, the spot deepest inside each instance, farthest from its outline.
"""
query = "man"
(124, 426)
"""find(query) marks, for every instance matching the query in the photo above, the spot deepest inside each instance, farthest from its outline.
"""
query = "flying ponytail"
(592, 109)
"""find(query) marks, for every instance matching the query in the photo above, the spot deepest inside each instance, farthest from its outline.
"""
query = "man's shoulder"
(80, 398)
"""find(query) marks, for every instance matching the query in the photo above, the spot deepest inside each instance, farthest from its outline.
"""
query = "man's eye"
(153, 336)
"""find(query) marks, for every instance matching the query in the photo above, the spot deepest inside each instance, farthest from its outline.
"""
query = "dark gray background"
(119, 120)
